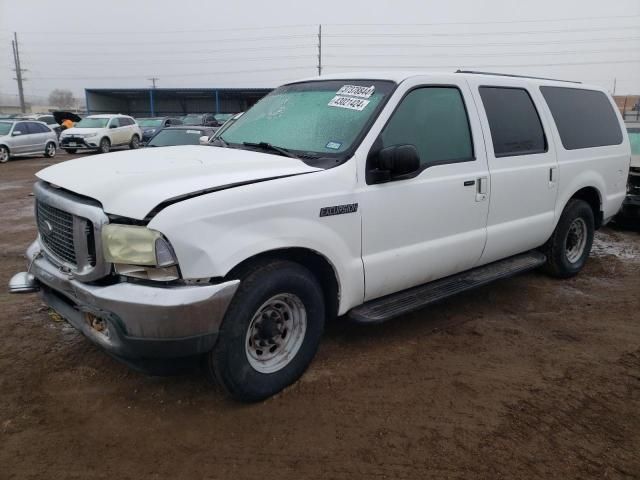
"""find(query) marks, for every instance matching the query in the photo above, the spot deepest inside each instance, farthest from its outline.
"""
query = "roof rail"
(515, 76)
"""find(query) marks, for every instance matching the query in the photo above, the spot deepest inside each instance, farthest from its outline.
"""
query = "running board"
(407, 301)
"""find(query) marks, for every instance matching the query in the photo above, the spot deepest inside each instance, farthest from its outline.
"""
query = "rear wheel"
(135, 142)
(570, 244)
(270, 332)
(105, 145)
(50, 150)
(4, 154)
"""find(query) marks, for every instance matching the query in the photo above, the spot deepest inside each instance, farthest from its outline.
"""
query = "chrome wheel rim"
(4, 155)
(104, 146)
(276, 333)
(51, 150)
(576, 240)
(135, 142)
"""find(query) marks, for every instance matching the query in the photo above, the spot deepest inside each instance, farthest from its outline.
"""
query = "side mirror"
(113, 126)
(16, 133)
(395, 161)
(204, 140)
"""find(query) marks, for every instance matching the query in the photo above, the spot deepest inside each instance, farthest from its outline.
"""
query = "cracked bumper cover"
(140, 321)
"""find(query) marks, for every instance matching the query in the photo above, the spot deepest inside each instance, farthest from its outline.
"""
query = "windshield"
(179, 136)
(634, 139)
(5, 128)
(192, 120)
(92, 123)
(320, 117)
(149, 122)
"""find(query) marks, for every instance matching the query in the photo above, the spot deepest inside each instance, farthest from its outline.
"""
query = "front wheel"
(50, 150)
(270, 332)
(134, 143)
(105, 145)
(570, 244)
(4, 154)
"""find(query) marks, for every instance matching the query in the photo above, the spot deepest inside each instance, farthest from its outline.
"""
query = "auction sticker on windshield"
(348, 102)
(356, 91)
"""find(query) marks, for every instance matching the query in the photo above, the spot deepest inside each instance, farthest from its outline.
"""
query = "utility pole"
(18, 69)
(153, 81)
(319, 49)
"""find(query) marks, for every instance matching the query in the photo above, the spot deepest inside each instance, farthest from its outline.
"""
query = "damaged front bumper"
(131, 320)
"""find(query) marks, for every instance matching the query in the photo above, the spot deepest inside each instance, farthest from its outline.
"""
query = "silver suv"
(23, 137)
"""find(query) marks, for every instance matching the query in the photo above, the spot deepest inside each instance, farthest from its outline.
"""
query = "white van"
(368, 196)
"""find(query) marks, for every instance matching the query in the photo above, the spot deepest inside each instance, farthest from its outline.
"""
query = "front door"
(434, 224)
(21, 140)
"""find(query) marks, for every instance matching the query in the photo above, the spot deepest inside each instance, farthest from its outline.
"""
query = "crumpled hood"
(132, 183)
(83, 131)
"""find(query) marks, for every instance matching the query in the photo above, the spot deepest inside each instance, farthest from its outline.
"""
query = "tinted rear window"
(585, 118)
(514, 122)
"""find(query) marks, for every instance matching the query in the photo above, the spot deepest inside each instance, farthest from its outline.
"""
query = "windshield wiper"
(219, 142)
(272, 148)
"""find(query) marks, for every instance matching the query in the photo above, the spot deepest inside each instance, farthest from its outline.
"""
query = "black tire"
(4, 154)
(50, 150)
(558, 247)
(71, 151)
(134, 143)
(105, 145)
(229, 362)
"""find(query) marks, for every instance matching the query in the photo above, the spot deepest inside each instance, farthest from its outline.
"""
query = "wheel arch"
(593, 197)
(318, 265)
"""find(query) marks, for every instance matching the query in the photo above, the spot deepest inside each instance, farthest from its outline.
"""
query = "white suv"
(101, 133)
(363, 196)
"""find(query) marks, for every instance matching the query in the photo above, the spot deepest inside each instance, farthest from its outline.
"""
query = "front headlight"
(134, 245)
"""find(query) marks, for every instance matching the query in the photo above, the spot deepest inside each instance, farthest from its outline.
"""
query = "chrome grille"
(56, 230)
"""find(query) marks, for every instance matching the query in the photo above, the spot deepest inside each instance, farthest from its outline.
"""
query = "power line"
(178, 42)
(177, 62)
(431, 67)
(496, 54)
(172, 32)
(490, 44)
(192, 74)
(466, 34)
(164, 53)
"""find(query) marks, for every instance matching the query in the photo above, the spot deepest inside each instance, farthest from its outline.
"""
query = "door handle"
(469, 183)
(481, 190)
(553, 177)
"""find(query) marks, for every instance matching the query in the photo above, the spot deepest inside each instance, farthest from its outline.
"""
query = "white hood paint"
(81, 131)
(132, 183)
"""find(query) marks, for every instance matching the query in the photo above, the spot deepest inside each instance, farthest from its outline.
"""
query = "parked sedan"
(183, 135)
(630, 211)
(149, 126)
(19, 138)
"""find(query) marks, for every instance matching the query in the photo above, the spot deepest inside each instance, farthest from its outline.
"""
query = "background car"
(149, 126)
(204, 119)
(629, 214)
(182, 135)
(46, 118)
(25, 137)
(101, 133)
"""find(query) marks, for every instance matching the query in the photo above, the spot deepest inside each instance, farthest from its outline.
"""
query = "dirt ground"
(527, 378)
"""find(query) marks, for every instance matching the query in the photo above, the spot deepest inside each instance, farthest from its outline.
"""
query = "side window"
(38, 128)
(515, 126)
(22, 128)
(48, 120)
(585, 118)
(124, 121)
(434, 120)
(114, 123)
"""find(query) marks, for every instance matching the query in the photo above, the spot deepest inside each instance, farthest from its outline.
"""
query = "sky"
(196, 43)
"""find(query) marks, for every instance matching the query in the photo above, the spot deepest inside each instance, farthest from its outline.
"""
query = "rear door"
(433, 224)
(522, 166)
(39, 134)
